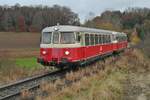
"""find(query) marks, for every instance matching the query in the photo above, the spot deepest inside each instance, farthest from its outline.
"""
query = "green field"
(30, 63)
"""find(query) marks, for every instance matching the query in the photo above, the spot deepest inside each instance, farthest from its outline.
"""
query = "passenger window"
(101, 39)
(109, 38)
(87, 39)
(92, 39)
(96, 39)
(104, 38)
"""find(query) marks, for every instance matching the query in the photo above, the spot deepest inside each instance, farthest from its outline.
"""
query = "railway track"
(13, 90)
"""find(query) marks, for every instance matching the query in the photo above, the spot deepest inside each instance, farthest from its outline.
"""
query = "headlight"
(67, 52)
(44, 52)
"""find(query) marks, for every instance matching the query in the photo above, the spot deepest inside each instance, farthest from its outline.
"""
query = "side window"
(92, 39)
(96, 39)
(78, 37)
(104, 38)
(87, 39)
(99, 39)
(117, 38)
(120, 38)
(109, 38)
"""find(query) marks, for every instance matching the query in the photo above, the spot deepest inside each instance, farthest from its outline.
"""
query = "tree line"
(131, 20)
(33, 19)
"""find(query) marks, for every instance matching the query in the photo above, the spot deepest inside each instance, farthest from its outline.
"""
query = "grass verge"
(102, 81)
(17, 68)
(30, 63)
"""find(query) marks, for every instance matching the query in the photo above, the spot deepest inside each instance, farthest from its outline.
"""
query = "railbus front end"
(60, 48)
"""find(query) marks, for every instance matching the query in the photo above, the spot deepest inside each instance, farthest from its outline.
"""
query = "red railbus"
(73, 45)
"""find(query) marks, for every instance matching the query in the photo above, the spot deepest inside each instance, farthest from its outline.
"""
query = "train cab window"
(46, 37)
(92, 38)
(67, 38)
(87, 39)
(55, 37)
(96, 39)
(78, 37)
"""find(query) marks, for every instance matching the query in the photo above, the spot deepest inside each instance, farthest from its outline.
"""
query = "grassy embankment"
(17, 68)
(30, 62)
(108, 80)
(18, 53)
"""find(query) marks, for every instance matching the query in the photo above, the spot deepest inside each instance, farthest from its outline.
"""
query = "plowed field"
(19, 44)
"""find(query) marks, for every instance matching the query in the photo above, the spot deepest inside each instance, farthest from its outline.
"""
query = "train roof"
(119, 33)
(69, 28)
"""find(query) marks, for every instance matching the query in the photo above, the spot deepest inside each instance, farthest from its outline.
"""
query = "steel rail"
(14, 89)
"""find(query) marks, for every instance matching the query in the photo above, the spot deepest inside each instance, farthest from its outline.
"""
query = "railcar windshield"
(56, 36)
(63, 37)
(46, 37)
(67, 38)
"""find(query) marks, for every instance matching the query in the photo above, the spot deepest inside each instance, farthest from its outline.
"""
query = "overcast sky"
(83, 7)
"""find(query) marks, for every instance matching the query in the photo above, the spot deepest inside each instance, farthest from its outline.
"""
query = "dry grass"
(134, 61)
(102, 81)
(10, 72)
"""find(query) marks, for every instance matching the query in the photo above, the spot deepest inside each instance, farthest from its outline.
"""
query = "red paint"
(80, 53)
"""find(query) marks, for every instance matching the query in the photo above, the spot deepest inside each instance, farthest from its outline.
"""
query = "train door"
(114, 41)
(100, 44)
(80, 39)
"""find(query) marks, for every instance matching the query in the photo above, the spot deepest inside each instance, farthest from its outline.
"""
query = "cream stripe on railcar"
(75, 45)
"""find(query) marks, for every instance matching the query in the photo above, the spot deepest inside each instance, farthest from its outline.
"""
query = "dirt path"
(137, 87)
